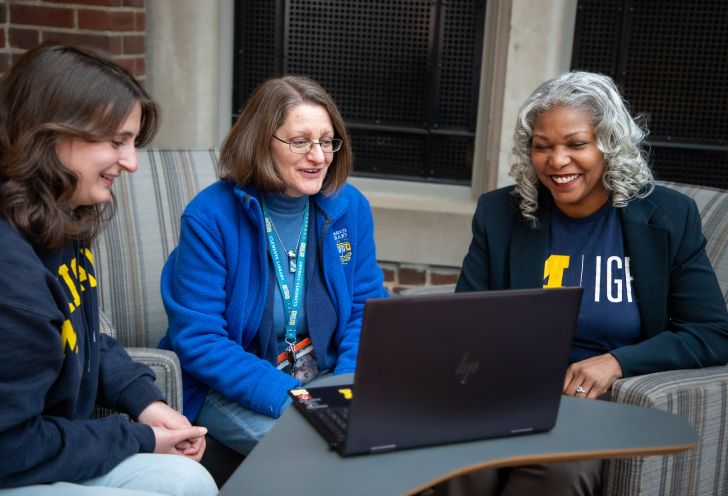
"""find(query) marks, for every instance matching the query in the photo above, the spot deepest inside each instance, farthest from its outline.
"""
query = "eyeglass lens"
(304, 146)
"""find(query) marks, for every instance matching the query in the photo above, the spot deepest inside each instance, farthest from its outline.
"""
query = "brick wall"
(114, 26)
(398, 277)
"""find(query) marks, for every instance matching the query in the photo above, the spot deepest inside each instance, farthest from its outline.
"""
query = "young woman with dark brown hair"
(70, 122)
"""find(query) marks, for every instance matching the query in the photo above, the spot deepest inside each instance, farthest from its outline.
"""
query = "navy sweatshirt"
(54, 366)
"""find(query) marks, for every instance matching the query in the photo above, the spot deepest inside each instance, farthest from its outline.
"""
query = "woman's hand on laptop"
(592, 377)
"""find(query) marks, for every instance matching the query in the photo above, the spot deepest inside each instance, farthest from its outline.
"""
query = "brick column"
(116, 27)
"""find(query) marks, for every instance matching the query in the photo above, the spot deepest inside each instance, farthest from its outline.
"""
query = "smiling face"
(96, 165)
(566, 158)
(303, 173)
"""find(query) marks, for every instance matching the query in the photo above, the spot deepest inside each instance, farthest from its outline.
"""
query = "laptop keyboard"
(335, 420)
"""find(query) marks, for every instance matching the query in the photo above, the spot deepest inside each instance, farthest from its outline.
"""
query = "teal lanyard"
(292, 303)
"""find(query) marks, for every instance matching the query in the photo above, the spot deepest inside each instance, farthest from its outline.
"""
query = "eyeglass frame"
(334, 142)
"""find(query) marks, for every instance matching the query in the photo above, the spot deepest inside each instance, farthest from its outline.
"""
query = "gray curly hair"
(626, 173)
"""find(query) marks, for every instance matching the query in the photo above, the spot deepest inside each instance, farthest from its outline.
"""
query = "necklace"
(291, 254)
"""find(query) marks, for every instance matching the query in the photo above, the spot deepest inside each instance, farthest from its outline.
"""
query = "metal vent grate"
(255, 49)
(670, 163)
(596, 43)
(670, 60)
(393, 154)
(459, 65)
(372, 63)
(677, 68)
(454, 156)
(404, 73)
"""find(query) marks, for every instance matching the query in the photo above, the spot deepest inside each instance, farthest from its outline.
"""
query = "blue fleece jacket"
(54, 366)
(215, 288)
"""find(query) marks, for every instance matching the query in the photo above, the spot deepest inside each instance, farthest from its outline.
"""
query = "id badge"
(305, 368)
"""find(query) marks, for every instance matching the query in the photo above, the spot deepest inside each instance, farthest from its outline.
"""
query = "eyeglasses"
(303, 145)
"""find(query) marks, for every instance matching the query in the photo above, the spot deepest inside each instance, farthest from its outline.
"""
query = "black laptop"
(446, 368)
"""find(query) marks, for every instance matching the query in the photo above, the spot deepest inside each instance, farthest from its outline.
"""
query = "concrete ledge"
(419, 223)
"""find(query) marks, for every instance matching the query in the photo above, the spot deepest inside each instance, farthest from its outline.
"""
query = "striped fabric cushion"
(165, 365)
(167, 370)
(700, 396)
(133, 247)
(713, 206)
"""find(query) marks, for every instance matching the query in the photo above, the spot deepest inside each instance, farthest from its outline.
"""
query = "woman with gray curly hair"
(585, 212)
(626, 174)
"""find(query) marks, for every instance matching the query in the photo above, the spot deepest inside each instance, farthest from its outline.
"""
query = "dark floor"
(220, 460)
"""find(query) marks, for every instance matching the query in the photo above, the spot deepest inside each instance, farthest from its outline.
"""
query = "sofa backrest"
(131, 250)
(713, 206)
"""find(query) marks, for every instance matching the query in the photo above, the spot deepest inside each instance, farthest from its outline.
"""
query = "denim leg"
(144, 474)
(69, 489)
(173, 475)
(234, 426)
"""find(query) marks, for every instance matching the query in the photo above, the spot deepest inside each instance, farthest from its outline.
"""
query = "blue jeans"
(235, 426)
(145, 474)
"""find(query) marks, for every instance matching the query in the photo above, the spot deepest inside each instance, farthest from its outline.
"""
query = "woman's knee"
(231, 424)
(170, 475)
(181, 476)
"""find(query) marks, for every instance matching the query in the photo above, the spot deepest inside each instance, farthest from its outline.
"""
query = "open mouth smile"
(107, 177)
(564, 179)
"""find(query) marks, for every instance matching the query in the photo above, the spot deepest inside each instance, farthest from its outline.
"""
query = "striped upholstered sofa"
(700, 396)
(131, 251)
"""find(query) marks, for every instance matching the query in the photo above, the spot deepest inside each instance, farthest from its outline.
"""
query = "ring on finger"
(580, 390)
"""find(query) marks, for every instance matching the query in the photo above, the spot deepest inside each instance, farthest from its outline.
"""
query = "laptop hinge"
(522, 431)
(383, 448)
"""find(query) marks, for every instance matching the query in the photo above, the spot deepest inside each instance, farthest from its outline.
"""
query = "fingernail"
(203, 431)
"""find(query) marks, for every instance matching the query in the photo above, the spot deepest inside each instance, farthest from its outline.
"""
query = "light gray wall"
(539, 48)
(189, 70)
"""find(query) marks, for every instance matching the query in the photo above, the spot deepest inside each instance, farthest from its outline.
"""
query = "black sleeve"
(124, 385)
(42, 448)
(475, 273)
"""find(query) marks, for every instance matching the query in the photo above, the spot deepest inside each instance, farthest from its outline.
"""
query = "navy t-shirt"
(589, 252)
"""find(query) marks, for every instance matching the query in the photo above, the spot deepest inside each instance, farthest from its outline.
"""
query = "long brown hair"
(59, 92)
(245, 156)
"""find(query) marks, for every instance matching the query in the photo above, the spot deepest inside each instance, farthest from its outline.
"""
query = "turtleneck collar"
(282, 204)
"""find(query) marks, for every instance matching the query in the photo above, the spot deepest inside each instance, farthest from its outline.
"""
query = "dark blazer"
(683, 314)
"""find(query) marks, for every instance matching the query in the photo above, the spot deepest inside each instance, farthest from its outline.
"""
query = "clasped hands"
(592, 377)
(173, 433)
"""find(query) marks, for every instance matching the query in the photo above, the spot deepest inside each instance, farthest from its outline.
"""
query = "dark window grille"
(404, 73)
(670, 60)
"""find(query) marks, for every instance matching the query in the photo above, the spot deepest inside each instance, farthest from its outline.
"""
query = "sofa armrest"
(698, 395)
(166, 367)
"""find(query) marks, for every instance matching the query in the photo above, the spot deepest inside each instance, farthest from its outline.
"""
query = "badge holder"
(300, 362)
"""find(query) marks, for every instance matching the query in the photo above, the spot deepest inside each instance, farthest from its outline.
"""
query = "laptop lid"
(453, 367)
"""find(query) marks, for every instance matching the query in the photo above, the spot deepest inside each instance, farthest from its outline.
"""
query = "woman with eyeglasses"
(266, 289)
